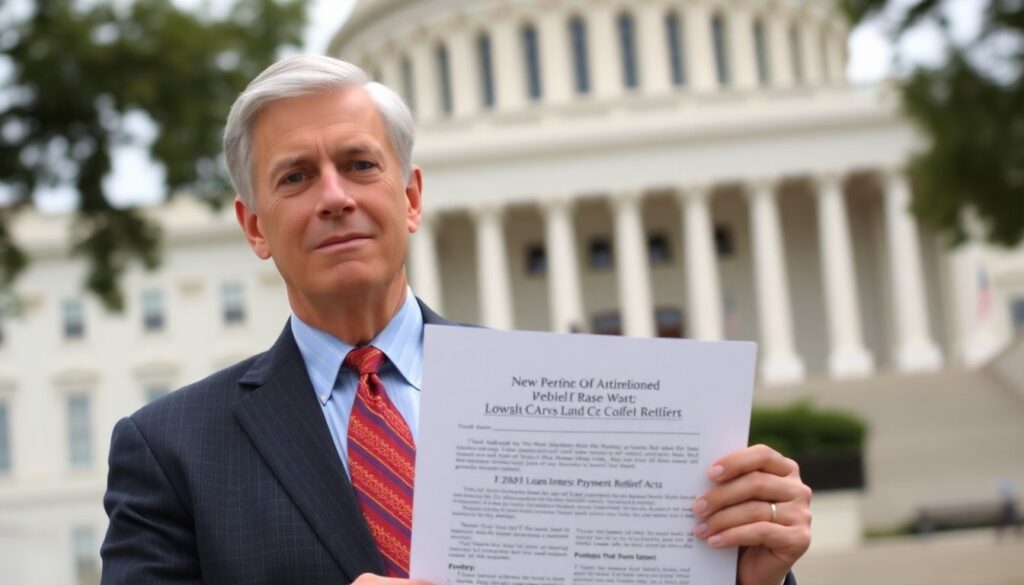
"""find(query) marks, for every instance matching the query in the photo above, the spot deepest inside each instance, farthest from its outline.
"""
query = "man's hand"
(737, 511)
(371, 579)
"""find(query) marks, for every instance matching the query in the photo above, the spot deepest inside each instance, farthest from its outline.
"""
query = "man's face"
(333, 209)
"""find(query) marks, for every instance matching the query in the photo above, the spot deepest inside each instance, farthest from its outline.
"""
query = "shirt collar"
(401, 341)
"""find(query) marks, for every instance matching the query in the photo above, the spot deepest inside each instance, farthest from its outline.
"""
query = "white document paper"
(554, 459)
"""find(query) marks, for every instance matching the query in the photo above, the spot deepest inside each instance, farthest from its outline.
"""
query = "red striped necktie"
(381, 460)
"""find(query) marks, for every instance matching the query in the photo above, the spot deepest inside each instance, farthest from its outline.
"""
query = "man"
(258, 473)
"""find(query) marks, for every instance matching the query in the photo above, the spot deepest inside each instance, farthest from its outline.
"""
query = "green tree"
(972, 110)
(79, 67)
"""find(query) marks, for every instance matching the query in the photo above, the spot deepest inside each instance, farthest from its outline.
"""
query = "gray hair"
(303, 75)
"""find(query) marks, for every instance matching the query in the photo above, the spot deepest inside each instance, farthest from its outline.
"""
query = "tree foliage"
(972, 110)
(80, 67)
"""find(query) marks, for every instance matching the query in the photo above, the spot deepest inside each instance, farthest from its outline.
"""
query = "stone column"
(780, 60)
(741, 52)
(702, 281)
(605, 51)
(509, 65)
(836, 51)
(425, 273)
(848, 356)
(391, 72)
(780, 363)
(652, 48)
(492, 269)
(564, 290)
(635, 299)
(555, 67)
(426, 78)
(810, 50)
(699, 49)
(464, 68)
(915, 349)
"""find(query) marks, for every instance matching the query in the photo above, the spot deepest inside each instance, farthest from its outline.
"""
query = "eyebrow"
(346, 152)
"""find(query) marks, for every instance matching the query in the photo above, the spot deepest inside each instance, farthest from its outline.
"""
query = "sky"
(137, 179)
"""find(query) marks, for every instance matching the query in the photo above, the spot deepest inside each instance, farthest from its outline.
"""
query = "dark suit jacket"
(235, 479)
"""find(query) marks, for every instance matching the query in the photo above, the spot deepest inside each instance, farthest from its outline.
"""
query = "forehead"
(335, 115)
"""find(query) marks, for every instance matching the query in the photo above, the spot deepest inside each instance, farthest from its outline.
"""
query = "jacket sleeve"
(151, 537)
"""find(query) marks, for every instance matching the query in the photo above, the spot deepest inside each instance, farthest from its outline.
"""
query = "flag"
(984, 293)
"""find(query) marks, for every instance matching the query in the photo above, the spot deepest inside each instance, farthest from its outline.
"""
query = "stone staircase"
(937, 439)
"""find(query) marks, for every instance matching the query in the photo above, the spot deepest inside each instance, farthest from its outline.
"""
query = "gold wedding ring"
(774, 511)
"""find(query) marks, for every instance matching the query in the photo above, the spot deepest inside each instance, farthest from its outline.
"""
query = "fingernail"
(701, 530)
(700, 506)
(715, 540)
(716, 471)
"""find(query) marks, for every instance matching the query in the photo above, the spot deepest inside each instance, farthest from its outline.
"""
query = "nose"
(334, 198)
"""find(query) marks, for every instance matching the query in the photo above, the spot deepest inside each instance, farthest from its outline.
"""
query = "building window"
(232, 303)
(658, 249)
(79, 431)
(627, 46)
(1017, 315)
(795, 54)
(669, 322)
(152, 310)
(607, 323)
(536, 260)
(5, 439)
(724, 245)
(408, 84)
(74, 319)
(719, 40)
(581, 69)
(445, 74)
(676, 60)
(483, 45)
(531, 54)
(599, 253)
(761, 52)
(87, 556)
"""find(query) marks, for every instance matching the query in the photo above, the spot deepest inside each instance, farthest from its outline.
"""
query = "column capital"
(625, 197)
(557, 202)
(690, 191)
(487, 210)
(760, 185)
(827, 178)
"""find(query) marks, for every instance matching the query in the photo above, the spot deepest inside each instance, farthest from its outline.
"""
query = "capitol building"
(676, 168)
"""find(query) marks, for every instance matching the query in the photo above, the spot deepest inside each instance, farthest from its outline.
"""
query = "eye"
(293, 178)
(363, 165)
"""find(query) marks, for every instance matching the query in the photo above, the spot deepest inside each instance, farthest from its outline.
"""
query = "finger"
(785, 541)
(749, 513)
(753, 458)
(371, 579)
(755, 485)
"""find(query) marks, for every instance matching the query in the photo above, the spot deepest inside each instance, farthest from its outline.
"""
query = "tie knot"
(365, 360)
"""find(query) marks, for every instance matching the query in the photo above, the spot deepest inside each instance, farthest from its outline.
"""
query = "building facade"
(693, 168)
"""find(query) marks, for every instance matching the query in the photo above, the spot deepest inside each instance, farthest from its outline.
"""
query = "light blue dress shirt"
(401, 341)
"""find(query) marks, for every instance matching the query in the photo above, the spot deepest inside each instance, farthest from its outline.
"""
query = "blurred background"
(841, 181)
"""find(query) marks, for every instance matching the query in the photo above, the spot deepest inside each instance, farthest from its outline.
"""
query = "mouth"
(339, 242)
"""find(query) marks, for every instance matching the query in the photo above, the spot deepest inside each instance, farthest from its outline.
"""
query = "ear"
(250, 223)
(414, 199)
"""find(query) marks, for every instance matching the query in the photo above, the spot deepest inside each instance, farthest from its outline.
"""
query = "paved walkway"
(965, 558)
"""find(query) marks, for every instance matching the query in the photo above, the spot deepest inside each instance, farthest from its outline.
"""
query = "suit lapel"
(286, 425)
